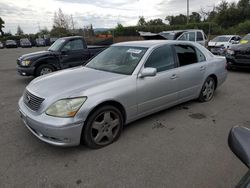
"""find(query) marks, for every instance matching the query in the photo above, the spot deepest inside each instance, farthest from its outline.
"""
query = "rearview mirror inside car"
(148, 71)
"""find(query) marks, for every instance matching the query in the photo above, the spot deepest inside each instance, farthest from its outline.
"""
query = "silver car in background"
(125, 82)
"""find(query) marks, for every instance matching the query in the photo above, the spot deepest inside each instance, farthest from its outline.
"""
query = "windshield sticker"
(134, 51)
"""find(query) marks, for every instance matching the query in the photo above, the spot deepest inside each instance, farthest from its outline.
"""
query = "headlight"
(66, 107)
(231, 52)
(25, 63)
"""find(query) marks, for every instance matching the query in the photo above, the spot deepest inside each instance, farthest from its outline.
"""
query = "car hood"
(35, 55)
(217, 43)
(240, 47)
(70, 82)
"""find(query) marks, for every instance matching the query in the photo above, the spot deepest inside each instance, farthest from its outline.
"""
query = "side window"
(73, 45)
(199, 36)
(191, 36)
(186, 54)
(200, 56)
(161, 58)
(184, 37)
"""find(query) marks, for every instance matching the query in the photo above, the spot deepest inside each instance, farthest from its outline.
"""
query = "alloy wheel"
(105, 127)
(208, 89)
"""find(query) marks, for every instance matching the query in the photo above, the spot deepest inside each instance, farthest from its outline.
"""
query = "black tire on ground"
(207, 90)
(44, 69)
(103, 127)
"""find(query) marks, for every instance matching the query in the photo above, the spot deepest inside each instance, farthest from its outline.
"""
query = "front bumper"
(232, 62)
(26, 71)
(217, 50)
(52, 130)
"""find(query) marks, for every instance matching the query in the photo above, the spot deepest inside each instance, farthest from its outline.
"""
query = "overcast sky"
(32, 14)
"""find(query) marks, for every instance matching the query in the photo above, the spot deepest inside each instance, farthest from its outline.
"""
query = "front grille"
(32, 101)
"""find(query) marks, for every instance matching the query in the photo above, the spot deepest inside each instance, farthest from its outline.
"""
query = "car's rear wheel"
(103, 127)
(44, 69)
(207, 91)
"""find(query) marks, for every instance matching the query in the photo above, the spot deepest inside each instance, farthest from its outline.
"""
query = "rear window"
(199, 36)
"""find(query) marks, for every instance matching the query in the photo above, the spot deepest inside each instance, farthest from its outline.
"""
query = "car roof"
(227, 35)
(72, 37)
(151, 43)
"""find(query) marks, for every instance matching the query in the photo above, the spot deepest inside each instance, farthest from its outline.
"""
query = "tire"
(103, 127)
(207, 91)
(43, 69)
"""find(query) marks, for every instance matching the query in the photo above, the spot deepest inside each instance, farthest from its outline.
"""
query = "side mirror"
(148, 72)
(239, 143)
(64, 51)
(234, 42)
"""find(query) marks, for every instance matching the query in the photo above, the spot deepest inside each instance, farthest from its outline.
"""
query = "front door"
(160, 91)
(72, 53)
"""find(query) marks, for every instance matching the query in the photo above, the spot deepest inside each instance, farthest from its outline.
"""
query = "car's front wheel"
(207, 91)
(44, 69)
(103, 127)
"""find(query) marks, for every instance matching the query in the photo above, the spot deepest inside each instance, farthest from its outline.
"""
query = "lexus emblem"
(28, 98)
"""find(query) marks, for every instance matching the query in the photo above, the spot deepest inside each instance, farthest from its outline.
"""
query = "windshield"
(221, 39)
(247, 37)
(118, 59)
(56, 45)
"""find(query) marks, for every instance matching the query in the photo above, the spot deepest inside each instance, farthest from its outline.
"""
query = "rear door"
(192, 66)
(161, 90)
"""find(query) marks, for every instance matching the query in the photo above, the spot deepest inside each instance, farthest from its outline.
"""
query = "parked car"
(245, 39)
(239, 143)
(123, 83)
(238, 56)
(10, 44)
(185, 35)
(220, 44)
(65, 53)
(25, 43)
(40, 42)
(1, 45)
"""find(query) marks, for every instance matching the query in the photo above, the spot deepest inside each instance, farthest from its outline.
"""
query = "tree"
(1, 26)
(195, 17)
(19, 31)
(157, 21)
(177, 20)
(141, 21)
(59, 32)
(61, 20)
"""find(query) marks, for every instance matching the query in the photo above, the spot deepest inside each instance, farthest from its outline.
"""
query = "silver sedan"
(125, 82)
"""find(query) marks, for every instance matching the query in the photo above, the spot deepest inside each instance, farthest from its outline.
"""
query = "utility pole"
(187, 11)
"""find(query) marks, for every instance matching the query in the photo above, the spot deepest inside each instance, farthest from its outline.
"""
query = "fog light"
(23, 73)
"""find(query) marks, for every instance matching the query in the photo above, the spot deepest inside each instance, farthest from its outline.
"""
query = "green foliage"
(59, 32)
(243, 28)
(141, 21)
(177, 20)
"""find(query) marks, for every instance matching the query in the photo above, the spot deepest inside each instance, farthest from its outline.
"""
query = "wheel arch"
(215, 79)
(114, 103)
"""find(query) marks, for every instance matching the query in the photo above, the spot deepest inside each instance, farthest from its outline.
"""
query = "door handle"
(174, 76)
(202, 68)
